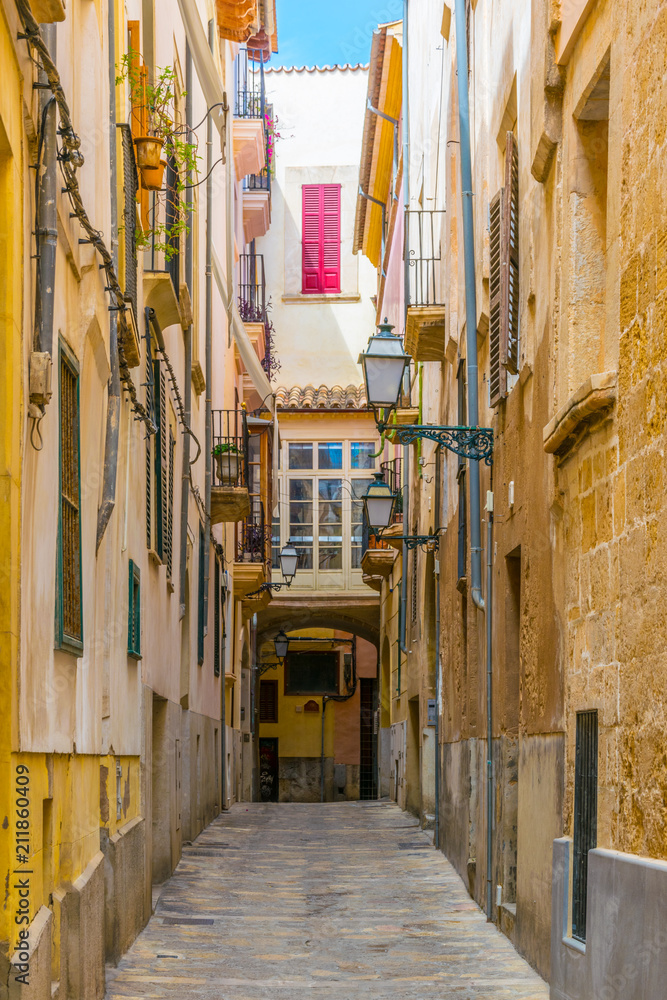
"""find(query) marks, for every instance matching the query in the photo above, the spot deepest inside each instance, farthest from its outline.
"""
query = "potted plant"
(227, 457)
(153, 177)
(152, 104)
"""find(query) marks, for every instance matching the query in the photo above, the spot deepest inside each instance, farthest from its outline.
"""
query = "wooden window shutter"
(216, 618)
(134, 613)
(497, 373)
(509, 336)
(321, 238)
(160, 457)
(331, 238)
(311, 274)
(268, 701)
(170, 503)
(130, 189)
(149, 442)
(200, 596)
(69, 617)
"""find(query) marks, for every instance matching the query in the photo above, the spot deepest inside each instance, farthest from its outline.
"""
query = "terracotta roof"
(316, 69)
(352, 397)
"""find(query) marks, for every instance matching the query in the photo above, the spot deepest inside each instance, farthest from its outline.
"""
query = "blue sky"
(323, 32)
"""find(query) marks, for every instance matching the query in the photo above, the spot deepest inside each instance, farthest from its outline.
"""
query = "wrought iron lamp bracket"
(265, 587)
(475, 443)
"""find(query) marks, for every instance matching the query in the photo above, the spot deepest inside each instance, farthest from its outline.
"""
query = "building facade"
(137, 413)
(566, 245)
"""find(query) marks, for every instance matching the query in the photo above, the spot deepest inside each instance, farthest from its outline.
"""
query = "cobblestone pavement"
(344, 900)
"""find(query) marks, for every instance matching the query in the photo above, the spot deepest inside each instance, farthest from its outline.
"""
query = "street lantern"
(281, 642)
(288, 560)
(379, 503)
(383, 363)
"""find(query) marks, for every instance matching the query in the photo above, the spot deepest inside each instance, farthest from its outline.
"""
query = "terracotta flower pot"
(148, 149)
(152, 177)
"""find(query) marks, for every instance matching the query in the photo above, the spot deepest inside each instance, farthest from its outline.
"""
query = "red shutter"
(331, 238)
(321, 238)
(311, 271)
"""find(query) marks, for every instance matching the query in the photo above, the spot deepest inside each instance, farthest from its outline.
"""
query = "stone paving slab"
(337, 901)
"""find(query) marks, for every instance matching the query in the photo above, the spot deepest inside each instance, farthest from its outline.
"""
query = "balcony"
(252, 566)
(162, 261)
(257, 186)
(425, 328)
(230, 499)
(249, 136)
(252, 288)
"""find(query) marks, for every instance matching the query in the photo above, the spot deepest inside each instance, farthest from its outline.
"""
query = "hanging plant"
(272, 136)
(163, 142)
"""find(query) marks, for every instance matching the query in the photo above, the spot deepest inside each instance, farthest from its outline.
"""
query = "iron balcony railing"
(252, 288)
(424, 230)
(392, 473)
(249, 93)
(230, 448)
(258, 182)
(254, 536)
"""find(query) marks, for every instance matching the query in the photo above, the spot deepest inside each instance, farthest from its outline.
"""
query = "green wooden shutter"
(160, 460)
(216, 618)
(200, 597)
(69, 610)
(130, 188)
(134, 612)
(170, 502)
(149, 441)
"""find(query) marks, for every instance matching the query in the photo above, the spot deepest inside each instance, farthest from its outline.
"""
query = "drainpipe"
(209, 339)
(489, 707)
(471, 302)
(436, 833)
(47, 217)
(113, 387)
(406, 287)
(187, 343)
(473, 418)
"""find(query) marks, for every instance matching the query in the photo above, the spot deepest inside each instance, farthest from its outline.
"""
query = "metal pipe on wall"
(489, 707)
(471, 300)
(209, 342)
(406, 291)
(108, 501)
(438, 470)
(473, 415)
(47, 212)
(187, 344)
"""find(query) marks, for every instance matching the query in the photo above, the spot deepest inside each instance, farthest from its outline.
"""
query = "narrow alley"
(349, 899)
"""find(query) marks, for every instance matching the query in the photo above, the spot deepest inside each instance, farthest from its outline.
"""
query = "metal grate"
(70, 501)
(585, 814)
(254, 535)
(248, 86)
(368, 741)
(173, 212)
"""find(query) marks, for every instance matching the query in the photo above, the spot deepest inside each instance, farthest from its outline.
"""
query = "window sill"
(319, 298)
(575, 945)
(72, 646)
(132, 655)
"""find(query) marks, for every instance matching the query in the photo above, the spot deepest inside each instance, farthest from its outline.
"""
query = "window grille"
(200, 596)
(70, 617)
(585, 814)
(134, 613)
(268, 701)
